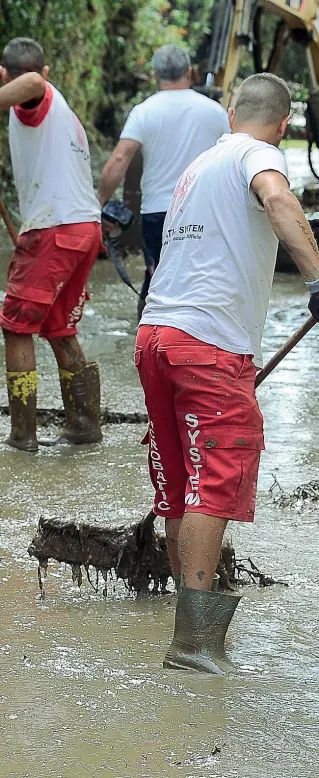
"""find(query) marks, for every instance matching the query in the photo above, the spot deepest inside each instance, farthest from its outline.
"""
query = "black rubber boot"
(81, 399)
(201, 622)
(22, 396)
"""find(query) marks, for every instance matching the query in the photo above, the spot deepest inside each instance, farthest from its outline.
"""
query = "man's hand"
(116, 167)
(313, 305)
(29, 86)
(288, 221)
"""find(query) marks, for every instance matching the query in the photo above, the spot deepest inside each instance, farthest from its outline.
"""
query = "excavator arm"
(235, 28)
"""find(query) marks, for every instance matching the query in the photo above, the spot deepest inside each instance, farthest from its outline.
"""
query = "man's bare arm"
(29, 86)
(288, 221)
(116, 167)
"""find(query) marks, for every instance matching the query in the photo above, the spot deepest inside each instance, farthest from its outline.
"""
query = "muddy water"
(82, 690)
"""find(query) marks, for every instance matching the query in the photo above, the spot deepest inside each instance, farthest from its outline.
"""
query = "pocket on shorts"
(231, 460)
(191, 354)
(73, 242)
(241, 438)
(137, 355)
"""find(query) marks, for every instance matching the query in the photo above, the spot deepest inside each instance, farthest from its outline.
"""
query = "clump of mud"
(135, 553)
(300, 499)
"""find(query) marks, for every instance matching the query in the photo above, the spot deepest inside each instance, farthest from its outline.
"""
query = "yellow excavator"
(237, 27)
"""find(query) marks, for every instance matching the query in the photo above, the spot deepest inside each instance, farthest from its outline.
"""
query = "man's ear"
(282, 127)
(45, 72)
(4, 75)
(231, 117)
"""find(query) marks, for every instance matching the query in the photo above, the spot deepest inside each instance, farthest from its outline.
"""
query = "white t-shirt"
(51, 165)
(174, 126)
(219, 251)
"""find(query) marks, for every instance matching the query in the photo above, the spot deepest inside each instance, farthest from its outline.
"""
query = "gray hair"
(170, 62)
(263, 98)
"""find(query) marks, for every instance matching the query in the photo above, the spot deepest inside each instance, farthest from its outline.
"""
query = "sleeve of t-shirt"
(133, 127)
(33, 117)
(257, 161)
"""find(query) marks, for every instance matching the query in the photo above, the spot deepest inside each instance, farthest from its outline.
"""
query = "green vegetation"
(294, 144)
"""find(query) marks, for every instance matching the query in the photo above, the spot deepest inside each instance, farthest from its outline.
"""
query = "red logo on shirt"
(181, 189)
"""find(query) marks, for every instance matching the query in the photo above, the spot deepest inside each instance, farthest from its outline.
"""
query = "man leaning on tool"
(59, 240)
(171, 128)
(198, 350)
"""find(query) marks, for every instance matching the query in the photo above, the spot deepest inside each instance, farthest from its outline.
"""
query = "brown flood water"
(82, 691)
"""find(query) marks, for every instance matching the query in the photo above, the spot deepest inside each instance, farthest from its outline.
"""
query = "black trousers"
(152, 229)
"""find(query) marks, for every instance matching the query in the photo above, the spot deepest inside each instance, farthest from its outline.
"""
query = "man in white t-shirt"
(59, 240)
(198, 349)
(171, 128)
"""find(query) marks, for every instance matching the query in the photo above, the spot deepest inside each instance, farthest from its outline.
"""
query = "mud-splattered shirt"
(219, 251)
(51, 164)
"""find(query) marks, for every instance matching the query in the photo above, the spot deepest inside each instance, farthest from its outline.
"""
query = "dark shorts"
(152, 230)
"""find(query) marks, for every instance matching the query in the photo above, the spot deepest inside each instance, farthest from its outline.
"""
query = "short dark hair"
(262, 97)
(23, 55)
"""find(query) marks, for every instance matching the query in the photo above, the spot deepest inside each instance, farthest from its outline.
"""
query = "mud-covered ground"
(82, 690)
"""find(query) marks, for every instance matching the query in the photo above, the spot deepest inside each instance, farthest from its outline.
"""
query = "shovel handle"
(9, 224)
(274, 361)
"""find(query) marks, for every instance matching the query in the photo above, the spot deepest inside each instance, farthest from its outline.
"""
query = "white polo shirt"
(174, 126)
(219, 251)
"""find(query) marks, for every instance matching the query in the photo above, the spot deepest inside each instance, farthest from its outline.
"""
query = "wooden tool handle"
(274, 361)
(9, 224)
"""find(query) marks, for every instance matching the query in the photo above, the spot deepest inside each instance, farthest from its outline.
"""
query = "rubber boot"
(201, 622)
(81, 399)
(22, 395)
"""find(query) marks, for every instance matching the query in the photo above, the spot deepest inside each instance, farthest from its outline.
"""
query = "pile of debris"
(135, 553)
(300, 499)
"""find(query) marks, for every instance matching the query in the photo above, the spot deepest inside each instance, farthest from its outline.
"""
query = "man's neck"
(266, 134)
(181, 84)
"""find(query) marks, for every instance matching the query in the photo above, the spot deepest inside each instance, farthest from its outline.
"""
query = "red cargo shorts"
(205, 427)
(47, 278)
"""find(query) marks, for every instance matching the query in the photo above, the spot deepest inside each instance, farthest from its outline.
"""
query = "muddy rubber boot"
(22, 396)
(81, 399)
(201, 622)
